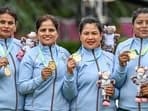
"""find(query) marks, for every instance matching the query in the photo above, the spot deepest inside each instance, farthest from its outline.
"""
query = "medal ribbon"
(42, 58)
(142, 53)
(5, 53)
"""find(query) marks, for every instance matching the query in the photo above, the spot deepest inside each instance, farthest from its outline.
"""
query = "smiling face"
(7, 25)
(90, 36)
(47, 33)
(140, 25)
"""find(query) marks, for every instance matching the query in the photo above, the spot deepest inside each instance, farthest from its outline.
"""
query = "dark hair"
(9, 11)
(90, 20)
(45, 18)
(137, 12)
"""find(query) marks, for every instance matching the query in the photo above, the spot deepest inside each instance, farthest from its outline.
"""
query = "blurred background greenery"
(69, 13)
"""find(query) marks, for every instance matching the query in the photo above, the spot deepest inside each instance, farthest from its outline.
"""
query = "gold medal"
(7, 71)
(132, 55)
(52, 65)
(76, 57)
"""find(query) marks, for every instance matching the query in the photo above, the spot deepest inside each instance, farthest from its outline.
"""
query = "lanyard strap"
(45, 63)
(142, 52)
(98, 68)
(3, 52)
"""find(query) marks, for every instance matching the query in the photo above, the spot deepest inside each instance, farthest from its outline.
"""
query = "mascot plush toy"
(103, 82)
(110, 38)
(140, 78)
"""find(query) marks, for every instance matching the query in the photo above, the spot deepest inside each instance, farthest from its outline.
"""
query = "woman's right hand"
(110, 89)
(71, 64)
(124, 58)
(3, 61)
(46, 72)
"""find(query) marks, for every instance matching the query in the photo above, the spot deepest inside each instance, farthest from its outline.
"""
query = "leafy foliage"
(29, 10)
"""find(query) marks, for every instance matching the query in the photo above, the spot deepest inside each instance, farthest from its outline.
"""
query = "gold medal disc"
(132, 55)
(7, 71)
(76, 57)
(52, 65)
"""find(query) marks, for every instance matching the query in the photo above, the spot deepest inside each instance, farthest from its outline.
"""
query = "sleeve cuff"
(69, 77)
(38, 80)
(121, 68)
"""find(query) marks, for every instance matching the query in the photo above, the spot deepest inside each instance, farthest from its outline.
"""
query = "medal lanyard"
(5, 53)
(45, 63)
(140, 53)
(144, 51)
(98, 68)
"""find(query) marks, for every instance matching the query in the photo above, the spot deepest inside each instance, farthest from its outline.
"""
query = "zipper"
(98, 68)
(140, 50)
(54, 81)
(139, 64)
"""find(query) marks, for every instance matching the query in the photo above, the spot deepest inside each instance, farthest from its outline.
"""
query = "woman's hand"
(144, 90)
(46, 72)
(110, 89)
(3, 61)
(71, 64)
(124, 58)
